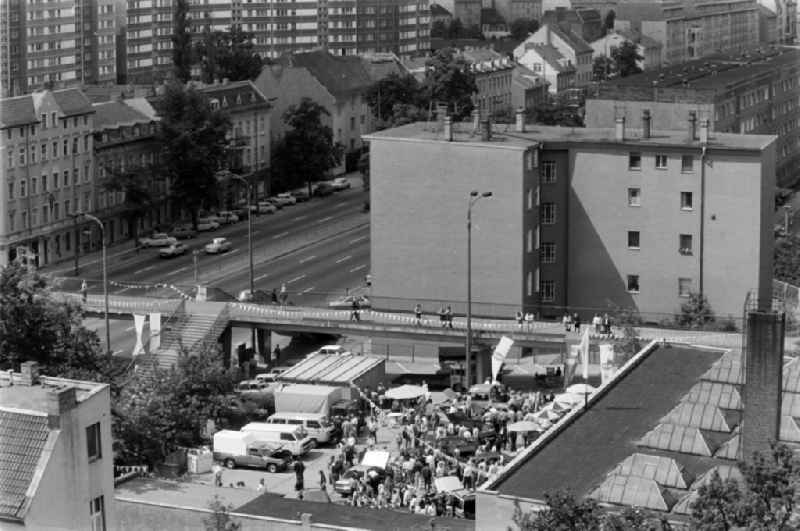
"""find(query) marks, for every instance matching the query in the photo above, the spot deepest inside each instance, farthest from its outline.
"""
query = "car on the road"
(301, 194)
(323, 189)
(227, 217)
(272, 375)
(184, 231)
(265, 207)
(176, 249)
(242, 212)
(340, 183)
(206, 224)
(258, 296)
(347, 484)
(346, 302)
(158, 239)
(285, 199)
(218, 245)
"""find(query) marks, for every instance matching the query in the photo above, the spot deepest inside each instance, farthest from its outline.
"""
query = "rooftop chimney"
(619, 131)
(486, 130)
(646, 123)
(763, 381)
(58, 402)
(476, 120)
(704, 131)
(448, 128)
(692, 125)
(520, 120)
(29, 373)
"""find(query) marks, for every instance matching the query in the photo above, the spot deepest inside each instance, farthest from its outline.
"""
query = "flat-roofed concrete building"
(56, 459)
(580, 218)
(754, 93)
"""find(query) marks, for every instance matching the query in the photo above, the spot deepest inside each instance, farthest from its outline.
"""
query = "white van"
(291, 438)
(316, 425)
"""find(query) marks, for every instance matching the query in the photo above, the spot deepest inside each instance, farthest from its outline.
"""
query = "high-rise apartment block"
(56, 44)
(343, 27)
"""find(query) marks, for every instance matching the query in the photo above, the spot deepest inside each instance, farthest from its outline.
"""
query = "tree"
(696, 312)
(786, 264)
(627, 57)
(228, 55)
(182, 42)
(220, 518)
(136, 186)
(603, 68)
(558, 111)
(439, 30)
(456, 29)
(194, 146)
(395, 89)
(522, 27)
(306, 152)
(449, 80)
(608, 21)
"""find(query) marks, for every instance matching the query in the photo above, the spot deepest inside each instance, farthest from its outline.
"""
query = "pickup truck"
(235, 448)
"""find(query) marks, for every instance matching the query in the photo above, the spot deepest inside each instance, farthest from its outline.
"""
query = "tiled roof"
(481, 55)
(552, 56)
(342, 76)
(236, 93)
(113, 114)
(439, 11)
(17, 111)
(72, 102)
(22, 440)
(638, 11)
(574, 41)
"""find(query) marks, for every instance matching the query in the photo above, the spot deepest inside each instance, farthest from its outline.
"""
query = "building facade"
(584, 22)
(545, 60)
(754, 94)
(571, 47)
(56, 44)
(527, 89)
(579, 219)
(47, 172)
(493, 77)
(512, 10)
(785, 19)
(56, 437)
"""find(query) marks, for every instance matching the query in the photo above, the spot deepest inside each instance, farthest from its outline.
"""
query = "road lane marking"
(130, 329)
(233, 251)
(343, 259)
(307, 290)
(148, 268)
(262, 277)
(356, 240)
(298, 218)
(341, 203)
(295, 279)
(179, 270)
(123, 290)
(281, 235)
(116, 352)
(323, 220)
(362, 266)
(307, 259)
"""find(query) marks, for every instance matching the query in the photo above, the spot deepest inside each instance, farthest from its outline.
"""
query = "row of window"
(660, 161)
(41, 155)
(547, 288)
(36, 183)
(635, 198)
(684, 242)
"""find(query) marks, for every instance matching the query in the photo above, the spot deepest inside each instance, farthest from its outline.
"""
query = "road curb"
(282, 255)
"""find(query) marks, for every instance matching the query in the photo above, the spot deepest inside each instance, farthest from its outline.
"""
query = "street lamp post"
(105, 277)
(249, 246)
(474, 197)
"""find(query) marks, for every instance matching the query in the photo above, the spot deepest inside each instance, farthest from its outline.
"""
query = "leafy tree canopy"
(786, 265)
(696, 312)
(626, 57)
(449, 80)
(604, 68)
(522, 27)
(136, 186)
(608, 21)
(228, 55)
(395, 89)
(559, 110)
(194, 147)
(182, 42)
(455, 30)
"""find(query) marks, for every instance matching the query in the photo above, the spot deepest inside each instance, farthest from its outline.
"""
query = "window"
(352, 123)
(634, 197)
(44, 121)
(687, 163)
(684, 287)
(530, 198)
(686, 200)
(11, 190)
(22, 188)
(633, 239)
(66, 207)
(22, 156)
(685, 244)
(44, 152)
(93, 443)
(548, 213)
(55, 181)
(548, 171)
(661, 162)
(97, 513)
(362, 119)
(548, 253)
(74, 146)
(633, 283)
(44, 183)
(55, 150)
(529, 244)
(66, 145)
(33, 185)
(634, 161)
(529, 282)
(66, 177)
(547, 288)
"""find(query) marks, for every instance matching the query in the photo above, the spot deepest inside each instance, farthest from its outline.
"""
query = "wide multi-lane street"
(318, 249)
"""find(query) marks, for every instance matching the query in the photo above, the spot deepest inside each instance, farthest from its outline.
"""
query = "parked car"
(272, 375)
(272, 200)
(218, 245)
(158, 239)
(346, 303)
(284, 199)
(253, 387)
(323, 189)
(227, 217)
(258, 296)
(340, 183)
(347, 483)
(234, 448)
(265, 207)
(242, 213)
(301, 194)
(176, 249)
(206, 224)
(183, 231)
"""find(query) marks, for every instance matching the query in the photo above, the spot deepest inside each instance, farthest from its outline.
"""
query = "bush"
(696, 312)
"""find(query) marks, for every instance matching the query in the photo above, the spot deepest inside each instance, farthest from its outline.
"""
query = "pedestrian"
(354, 315)
(567, 321)
(576, 319)
(529, 321)
(217, 469)
(322, 481)
(442, 316)
(598, 324)
(607, 325)
(418, 314)
(284, 293)
(449, 316)
(262, 487)
(274, 296)
(520, 318)
(299, 468)
(84, 291)
(277, 353)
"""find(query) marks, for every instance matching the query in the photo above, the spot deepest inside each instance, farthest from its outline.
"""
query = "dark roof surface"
(579, 457)
(439, 11)
(246, 92)
(17, 111)
(113, 114)
(72, 102)
(345, 515)
(22, 440)
(342, 76)
(577, 43)
(491, 17)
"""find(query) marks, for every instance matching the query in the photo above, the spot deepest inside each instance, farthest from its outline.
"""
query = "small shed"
(338, 371)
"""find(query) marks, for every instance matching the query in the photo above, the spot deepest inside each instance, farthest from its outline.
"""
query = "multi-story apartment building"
(580, 218)
(785, 18)
(343, 27)
(528, 90)
(46, 172)
(691, 30)
(55, 44)
(493, 77)
(467, 11)
(56, 459)
(512, 10)
(757, 93)
(570, 46)
(125, 141)
(587, 23)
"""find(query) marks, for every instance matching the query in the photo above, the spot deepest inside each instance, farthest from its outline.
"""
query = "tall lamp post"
(474, 197)
(105, 275)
